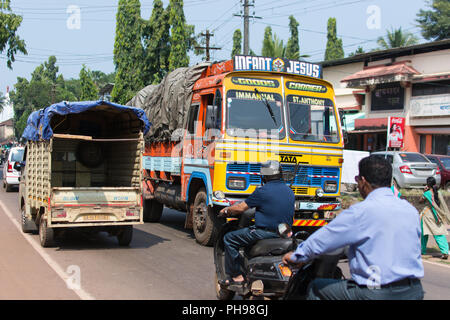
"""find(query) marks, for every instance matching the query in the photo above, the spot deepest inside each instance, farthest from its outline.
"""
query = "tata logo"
(287, 158)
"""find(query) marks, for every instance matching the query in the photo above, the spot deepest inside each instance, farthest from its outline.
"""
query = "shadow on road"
(175, 219)
(74, 240)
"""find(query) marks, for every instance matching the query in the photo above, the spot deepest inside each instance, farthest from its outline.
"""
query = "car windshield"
(254, 114)
(312, 119)
(412, 157)
(445, 162)
(16, 155)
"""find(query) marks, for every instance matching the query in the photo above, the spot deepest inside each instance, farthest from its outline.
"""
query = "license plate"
(96, 217)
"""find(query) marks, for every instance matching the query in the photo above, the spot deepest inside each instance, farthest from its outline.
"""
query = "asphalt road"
(163, 262)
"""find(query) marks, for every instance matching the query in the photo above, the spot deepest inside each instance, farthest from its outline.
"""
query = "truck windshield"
(312, 119)
(254, 114)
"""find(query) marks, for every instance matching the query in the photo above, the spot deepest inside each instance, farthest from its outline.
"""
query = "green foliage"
(45, 88)
(89, 91)
(156, 39)
(335, 48)
(268, 45)
(397, 38)
(2, 101)
(182, 36)
(128, 52)
(293, 45)
(360, 50)
(237, 43)
(9, 40)
(435, 23)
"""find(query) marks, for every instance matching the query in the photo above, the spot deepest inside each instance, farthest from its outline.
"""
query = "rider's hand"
(287, 260)
(224, 212)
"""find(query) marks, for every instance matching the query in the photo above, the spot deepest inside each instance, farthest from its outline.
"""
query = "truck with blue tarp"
(82, 168)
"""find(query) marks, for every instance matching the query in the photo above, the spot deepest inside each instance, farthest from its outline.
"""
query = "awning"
(395, 72)
(350, 120)
(371, 123)
(433, 130)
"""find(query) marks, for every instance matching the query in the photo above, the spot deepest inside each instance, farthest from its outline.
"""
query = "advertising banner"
(396, 132)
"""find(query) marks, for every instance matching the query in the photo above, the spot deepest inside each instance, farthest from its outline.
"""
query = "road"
(163, 262)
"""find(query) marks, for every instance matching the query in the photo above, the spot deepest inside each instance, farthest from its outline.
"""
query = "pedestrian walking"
(434, 218)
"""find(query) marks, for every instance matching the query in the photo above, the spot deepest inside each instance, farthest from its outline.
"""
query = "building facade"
(411, 82)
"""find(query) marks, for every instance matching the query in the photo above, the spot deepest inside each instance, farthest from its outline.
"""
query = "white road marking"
(52, 263)
(437, 264)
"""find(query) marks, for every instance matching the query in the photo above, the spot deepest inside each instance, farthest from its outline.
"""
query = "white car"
(10, 175)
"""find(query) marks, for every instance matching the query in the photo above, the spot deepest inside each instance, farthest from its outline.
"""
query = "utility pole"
(207, 47)
(247, 17)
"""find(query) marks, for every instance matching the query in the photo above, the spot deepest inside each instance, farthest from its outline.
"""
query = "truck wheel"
(125, 236)
(204, 220)
(46, 234)
(152, 210)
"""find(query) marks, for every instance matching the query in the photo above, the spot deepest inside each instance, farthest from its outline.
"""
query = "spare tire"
(90, 154)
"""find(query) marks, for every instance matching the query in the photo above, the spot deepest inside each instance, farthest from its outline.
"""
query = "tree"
(88, 89)
(181, 36)
(360, 50)
(156, 39)
(45, 88)
(2, 102)
(334, 49)
(9, 40)
(128, 51)
(435, 23)
(237, 43)
(268, 45)
(397, 38)
(293, 45)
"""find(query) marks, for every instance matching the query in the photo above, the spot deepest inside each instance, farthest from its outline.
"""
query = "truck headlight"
(236, 183)
(330, 186)
(219, 195)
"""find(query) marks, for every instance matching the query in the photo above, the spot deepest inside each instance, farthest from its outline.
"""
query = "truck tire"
(204, 220)
(46, 234)
(152, 210)
(125, 236)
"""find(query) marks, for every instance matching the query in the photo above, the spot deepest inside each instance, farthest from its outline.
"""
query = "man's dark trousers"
(238, 239)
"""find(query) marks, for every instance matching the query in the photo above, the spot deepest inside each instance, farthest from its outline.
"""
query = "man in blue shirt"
(274, 203)
(383, 236)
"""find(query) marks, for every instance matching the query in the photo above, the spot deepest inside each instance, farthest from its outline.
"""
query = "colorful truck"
(235, 115)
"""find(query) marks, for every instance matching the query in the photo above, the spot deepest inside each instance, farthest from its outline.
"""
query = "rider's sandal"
(231, 282)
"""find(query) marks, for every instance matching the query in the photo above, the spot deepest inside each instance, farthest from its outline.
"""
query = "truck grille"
(306, 175)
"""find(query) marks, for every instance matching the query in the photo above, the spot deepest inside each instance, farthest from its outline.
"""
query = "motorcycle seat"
(270, 247)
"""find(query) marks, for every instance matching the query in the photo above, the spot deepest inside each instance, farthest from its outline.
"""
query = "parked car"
(11, 175)
(411, 169)
(443, 163)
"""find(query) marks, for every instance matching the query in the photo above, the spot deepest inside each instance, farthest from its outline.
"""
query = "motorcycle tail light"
(285, 271)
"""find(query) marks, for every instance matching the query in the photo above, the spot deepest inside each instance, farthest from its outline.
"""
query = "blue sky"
(46, 32)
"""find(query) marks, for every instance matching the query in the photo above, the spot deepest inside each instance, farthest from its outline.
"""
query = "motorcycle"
(266, 276)
(323, 266)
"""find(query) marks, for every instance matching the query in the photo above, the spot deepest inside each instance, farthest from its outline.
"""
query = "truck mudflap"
(83, 207)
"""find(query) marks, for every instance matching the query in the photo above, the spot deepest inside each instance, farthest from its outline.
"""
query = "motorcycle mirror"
(284, 230)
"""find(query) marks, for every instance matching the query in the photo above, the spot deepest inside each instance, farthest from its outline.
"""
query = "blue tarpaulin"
(38, 123)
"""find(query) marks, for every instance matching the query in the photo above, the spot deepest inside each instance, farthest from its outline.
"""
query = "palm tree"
(2, 102)
(397, 38)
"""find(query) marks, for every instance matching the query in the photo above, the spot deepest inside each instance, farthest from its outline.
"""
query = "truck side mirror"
(211, 117)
